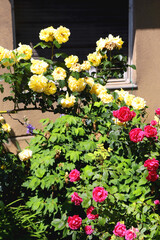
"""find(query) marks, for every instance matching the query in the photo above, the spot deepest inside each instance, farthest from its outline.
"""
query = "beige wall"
(146, 57)
(146, 54)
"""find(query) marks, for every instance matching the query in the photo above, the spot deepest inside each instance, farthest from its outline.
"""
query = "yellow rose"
(24, 49)
(51, 88)
(121, 93)
(76, 85)
(98, 89)
(47, 34)
(113, 42)
(38, 83)
(11, 58)
(25, 155)
(85, 65)
(128, 98)
(68, 101)
(94, 58)
(59, 73)
(69, 61)
(1, 53)
(106, 98)
(38, 66)
(138, 103)
(100, 44)
(62, 34)
(76, 67)
(89, 81)
(6, 127)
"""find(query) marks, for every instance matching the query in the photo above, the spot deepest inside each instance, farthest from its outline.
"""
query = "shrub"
(93, 173)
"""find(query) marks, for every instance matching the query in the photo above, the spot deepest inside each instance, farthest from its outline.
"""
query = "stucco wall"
(146, 54)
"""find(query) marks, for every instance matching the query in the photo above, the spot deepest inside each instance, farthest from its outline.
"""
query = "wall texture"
(146, 54)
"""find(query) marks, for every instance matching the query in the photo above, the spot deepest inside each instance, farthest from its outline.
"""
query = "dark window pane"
(87, 21)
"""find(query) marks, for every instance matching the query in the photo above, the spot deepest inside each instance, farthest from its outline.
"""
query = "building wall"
(146, 57)
(146, 53)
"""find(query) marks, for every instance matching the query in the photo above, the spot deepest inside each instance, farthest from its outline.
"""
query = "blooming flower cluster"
(121, 231)
(137, 103)
(9, 57)
(137, 134)
(99, 194)
(61, 34)
(152, 165)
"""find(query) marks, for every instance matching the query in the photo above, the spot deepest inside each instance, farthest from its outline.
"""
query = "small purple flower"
(30, 129)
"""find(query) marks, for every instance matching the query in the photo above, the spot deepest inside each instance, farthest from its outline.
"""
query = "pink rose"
(88, 229)
(150, 131)
(136, 135)
(151, 164)
(99, 194)
(157, 111)
(76, 199)
(119, 230)
(130, 235)
(156, 202)
(74, 175)
(74, 222)
(89, 213)
(152, 176)
(124, 114)
(115, 113)
(154, 122)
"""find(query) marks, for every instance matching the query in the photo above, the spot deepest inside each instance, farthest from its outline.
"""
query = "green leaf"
(88, 171)
(132, 66)
(40, 172)
(63, 55)
(56, 44)
(43, 45)
(58, 224)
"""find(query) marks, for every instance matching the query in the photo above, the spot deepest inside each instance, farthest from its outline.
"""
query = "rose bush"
(94, 172)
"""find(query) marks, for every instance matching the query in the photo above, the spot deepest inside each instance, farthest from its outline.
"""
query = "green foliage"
(74, 143)
(92, 138)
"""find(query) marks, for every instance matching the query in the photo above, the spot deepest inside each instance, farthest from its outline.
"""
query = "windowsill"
(118, 84)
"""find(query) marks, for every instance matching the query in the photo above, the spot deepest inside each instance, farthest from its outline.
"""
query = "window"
(87, 21)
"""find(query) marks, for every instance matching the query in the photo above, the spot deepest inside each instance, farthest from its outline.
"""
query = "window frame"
(127, 81)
